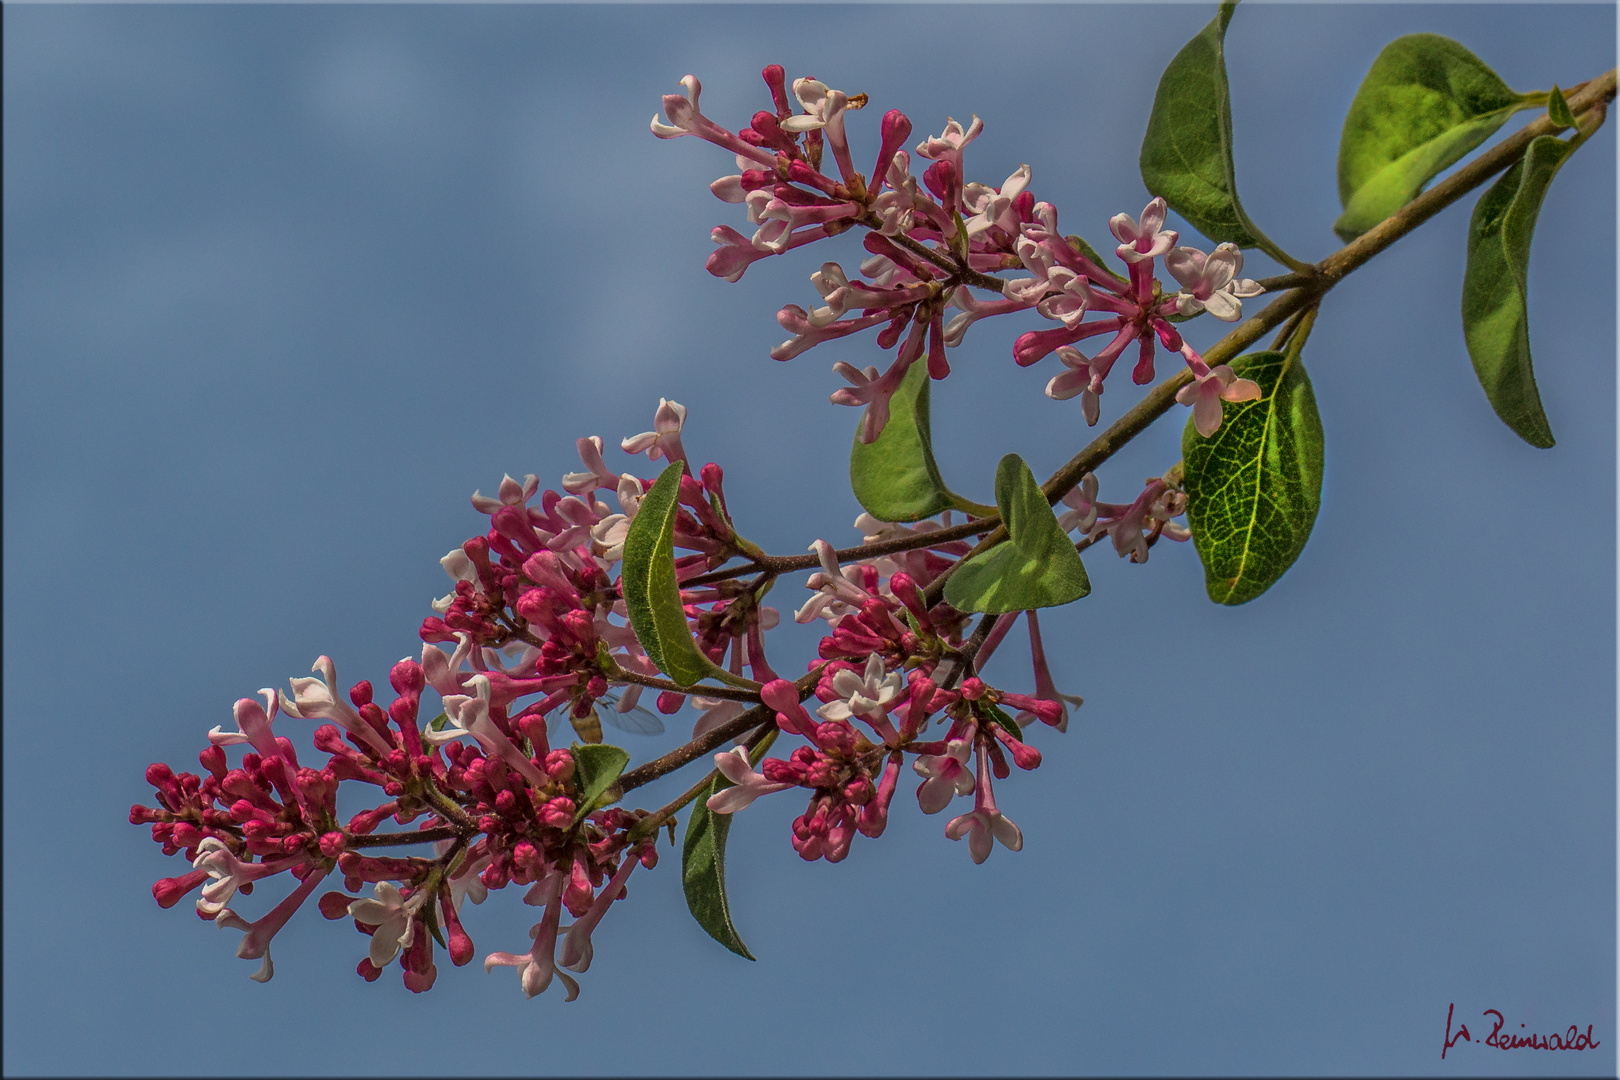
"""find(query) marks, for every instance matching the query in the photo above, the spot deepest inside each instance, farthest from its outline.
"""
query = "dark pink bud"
(670, 701)
(213, 759)
(168, 891)
(1142, 374)
(334, 905)
(360, 693)
(776, 79)
(559, 765)
(973, 688)
(332, 845)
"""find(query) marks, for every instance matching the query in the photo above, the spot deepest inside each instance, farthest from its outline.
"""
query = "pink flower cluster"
(932, 239)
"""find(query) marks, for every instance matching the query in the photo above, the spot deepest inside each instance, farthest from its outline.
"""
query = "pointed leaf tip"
(1036, 567)
(703, 870)
(1495, 284)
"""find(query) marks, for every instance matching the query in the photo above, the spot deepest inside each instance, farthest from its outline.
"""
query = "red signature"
(1573, 1039)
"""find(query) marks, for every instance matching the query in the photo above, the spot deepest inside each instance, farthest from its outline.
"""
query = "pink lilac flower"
(984, 824)
(750, 785)
(1208, 390)
(944, 776)
(1210, 283)
(664, 440)
(1144, 239)
(538, 966)
(867, 697)
(393, 916)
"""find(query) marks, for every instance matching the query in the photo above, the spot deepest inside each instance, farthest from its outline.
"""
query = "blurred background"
(285, 284)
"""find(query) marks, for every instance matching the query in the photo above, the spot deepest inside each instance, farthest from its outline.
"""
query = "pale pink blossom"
(664, 440)
(511, 493)
(1081, 501)
(1206, 392)
(944, 776)
(228, 873)
(993, 208)
(1144, 239)
(1210, 283)
(320, 699)
(984, 824)
(867, 696)
(686, 118)
(596, 474)
(749, 785)
(393, 916)
(538, 966)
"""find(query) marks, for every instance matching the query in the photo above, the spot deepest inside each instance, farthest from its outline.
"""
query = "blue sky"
(284, 285)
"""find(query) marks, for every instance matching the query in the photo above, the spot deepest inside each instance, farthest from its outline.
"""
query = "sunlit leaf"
(1425, 103)
(1495, 322)
(1036, 567)
(1253, 488)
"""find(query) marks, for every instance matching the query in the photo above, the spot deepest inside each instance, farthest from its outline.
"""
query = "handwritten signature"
(1573, 1039)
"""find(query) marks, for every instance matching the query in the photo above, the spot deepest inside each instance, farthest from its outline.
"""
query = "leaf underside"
(703, 870)
(1495, 287)
(1253, 488)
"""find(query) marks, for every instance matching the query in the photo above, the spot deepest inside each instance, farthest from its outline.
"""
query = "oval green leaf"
(1495, 322)
(1253, 488)
(652, 597)
(596, 770)
(1036, 567)
(703, 870)
(1558, 108)
(1425, 103)
(894, 476)
(1187, 151)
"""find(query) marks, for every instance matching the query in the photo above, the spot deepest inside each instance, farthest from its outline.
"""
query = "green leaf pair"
(1187, 152)
(1037, 567)
(1425, 103)
(1253, 487)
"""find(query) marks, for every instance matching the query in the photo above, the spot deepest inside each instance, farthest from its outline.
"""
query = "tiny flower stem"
(727, 692)
(417, 836)
(682, 756)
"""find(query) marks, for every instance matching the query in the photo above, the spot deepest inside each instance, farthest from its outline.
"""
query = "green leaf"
(1425, 103)
(894, 476)
(1495, 322)
(1558, 108)
(438, 722)
(1253, 488)
(652, 597)
(999, 715)
(596, 770)
(1187, 152)
(1036, 567)
(703, 870)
